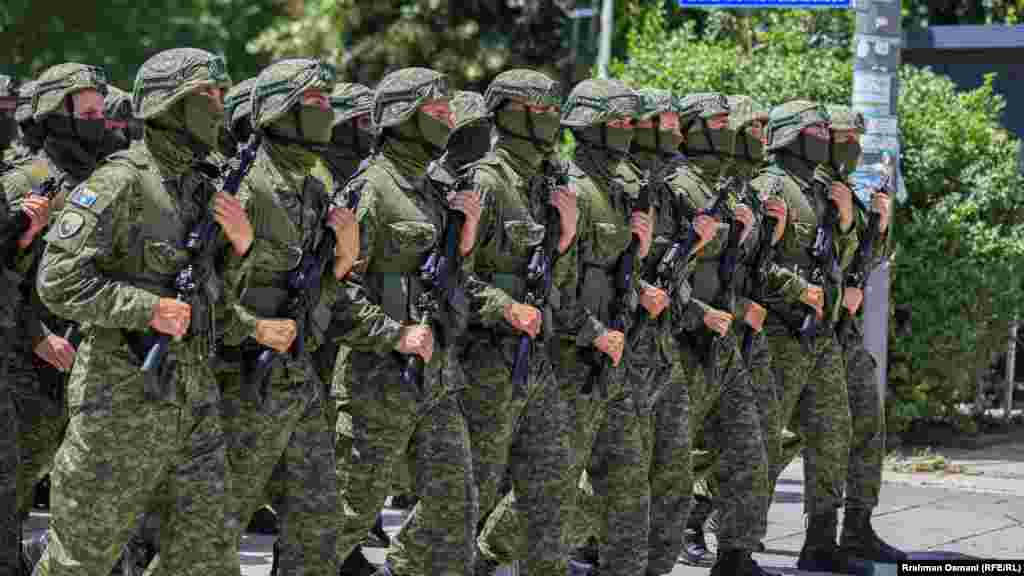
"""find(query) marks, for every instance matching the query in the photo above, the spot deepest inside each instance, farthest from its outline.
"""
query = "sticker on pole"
(767, 3)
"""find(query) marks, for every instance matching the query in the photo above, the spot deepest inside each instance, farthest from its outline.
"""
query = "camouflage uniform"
(518, 427)
(134, 439)
(279, 422)
(811, 383)
(867, 442)
(747, 155)
(10, 310)
(388, 417)
(30, 139)
(608, 409)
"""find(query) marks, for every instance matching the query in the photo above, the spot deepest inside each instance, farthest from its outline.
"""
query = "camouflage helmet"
(702, 105)
(532, 86)
(23, 112)
(58, 82)
(743, 111)
(281, 85)
(654, 101)
(238, 101)
(8, 94)
(787, 120)
(168, 76)
(350, 100)
(597, 101)
(468, 107)
(845, 118)
(402, 92)
(117, 104)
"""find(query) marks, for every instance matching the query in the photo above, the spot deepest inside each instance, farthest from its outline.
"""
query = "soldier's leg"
(867, 453)
(539, 461)
(670, 473)
(619, 473)
(42, 419)
(10, 525)
(257, 433)
(376, 418)
(308, 499)
(438, 537)
(742, 469)
(118, 447)
(825, 423)
(791, 367)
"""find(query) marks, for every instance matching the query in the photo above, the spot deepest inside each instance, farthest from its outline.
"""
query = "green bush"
(959, 233)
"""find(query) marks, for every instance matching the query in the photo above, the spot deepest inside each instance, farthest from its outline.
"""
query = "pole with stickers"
(877, 41)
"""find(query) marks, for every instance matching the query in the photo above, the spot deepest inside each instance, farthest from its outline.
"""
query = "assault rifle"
(763, 256)
(199, 244)
(443, 304)
(668, 274)
(539, 276)
(623, 288)
(864, 258)
(303, 292)
(824, 267)
(18, 223)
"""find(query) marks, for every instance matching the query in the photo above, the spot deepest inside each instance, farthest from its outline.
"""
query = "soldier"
(746, 123)
(8, 118)
(867, 444)
(134, 437)
(31, 140)
(20, 328)
(351, 130)
(655, 149)
(237, 117)
(516, 422)
(799, 189)
(397, 412)
(608, 409)
(122, 128)
(276, 418)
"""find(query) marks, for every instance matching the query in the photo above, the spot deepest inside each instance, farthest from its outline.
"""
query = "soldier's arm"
(90, 230)
(784, 281)
(574, 318)
(487, 302)
(356, 321)
(16, 185)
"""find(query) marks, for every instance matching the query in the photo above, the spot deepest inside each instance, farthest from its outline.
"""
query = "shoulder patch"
(83, 196)
(70, 224)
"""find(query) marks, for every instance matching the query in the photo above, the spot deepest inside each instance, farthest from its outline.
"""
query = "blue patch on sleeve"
(83, 197)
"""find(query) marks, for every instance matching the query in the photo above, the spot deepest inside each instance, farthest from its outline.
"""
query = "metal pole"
(877, 41)
(1011, 365)
(604, 54)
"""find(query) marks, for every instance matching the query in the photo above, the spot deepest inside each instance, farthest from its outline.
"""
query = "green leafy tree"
(959, 235)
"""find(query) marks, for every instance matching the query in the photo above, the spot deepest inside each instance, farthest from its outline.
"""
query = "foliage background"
(959, 234)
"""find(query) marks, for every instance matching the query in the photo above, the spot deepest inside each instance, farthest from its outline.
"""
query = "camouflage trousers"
(867, 440)
(10, 527)
(383, 420)
(526, 433)
(42, 417)
(814, 400)
(608, 466)
(124, 453)
(706, 452)
(281, 451)
(728, 431)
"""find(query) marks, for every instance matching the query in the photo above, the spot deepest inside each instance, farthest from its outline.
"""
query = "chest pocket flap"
(412, 237)
(522, 235)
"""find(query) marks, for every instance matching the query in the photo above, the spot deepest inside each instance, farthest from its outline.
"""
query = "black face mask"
(468, 144)
(33, 134)
(89, 132)
(8, 131)
(348, 136)
(114, 141)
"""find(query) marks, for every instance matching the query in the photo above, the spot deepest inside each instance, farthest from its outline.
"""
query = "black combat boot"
(820, 552)
(860, 541)
(695, 548)
(737, 563)
(356, 564)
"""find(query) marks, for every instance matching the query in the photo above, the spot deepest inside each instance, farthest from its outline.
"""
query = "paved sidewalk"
(974, 514)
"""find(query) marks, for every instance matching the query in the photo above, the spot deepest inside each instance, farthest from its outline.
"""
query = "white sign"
(880, 142)
(881, 125)
(872, 88)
